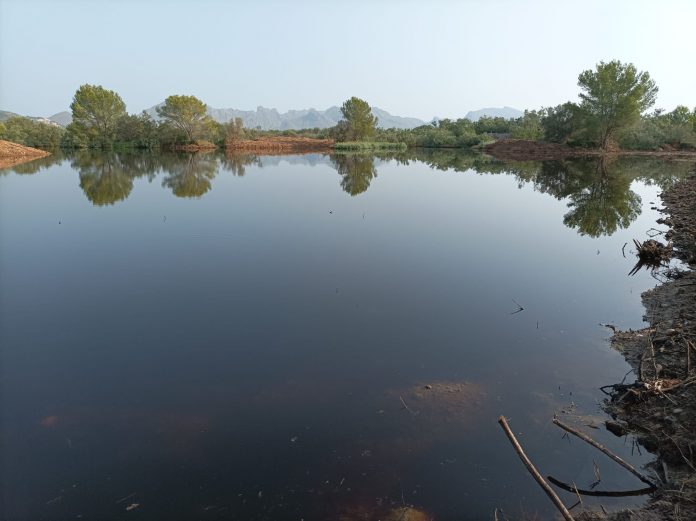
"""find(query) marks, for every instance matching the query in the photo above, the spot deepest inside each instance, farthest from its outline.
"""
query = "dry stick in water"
(533, 471)
(406, 406)
(599, 446)
(600, 493)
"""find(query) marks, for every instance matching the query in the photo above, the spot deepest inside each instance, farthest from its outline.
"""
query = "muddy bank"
(659, 408)
(522, 149)
(12, 154)
(281, 144)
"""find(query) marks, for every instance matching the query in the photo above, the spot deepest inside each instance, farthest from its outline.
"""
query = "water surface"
(213, 337)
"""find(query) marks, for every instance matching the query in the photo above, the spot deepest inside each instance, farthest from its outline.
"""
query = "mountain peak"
(494, 112)
(271, 119)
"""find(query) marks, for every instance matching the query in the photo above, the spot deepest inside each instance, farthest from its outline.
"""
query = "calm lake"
(251, 337)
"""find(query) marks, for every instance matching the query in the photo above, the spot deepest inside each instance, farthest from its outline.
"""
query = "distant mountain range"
(494, 112)
(62, 118)
(56, 119)
(271, 119)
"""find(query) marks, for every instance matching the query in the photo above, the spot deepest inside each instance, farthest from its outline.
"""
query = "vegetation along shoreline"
(611, 117)
(659, 407)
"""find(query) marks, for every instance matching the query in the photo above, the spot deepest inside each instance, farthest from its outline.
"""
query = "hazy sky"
(423, 59)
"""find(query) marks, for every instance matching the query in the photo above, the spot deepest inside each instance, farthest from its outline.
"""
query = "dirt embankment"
(522, 150)
(281, 144)
(660, 407)
(12, 154)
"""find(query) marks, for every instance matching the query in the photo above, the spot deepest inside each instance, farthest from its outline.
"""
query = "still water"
(211, 337)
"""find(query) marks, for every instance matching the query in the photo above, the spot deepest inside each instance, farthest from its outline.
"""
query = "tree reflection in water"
(597, 190)
(189, 175)
(107, 177)
(356, 170)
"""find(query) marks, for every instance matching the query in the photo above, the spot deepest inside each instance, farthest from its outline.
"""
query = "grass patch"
(369, 145)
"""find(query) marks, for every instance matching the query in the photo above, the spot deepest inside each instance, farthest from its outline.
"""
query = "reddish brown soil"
(522, 150)
(12, 154)
(280, 144)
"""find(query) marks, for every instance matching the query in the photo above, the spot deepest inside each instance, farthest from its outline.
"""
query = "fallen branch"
(534, 472)
(584, 437)
(600, 493)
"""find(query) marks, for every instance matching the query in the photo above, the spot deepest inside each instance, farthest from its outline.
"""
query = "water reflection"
(604, 203)
(30, 167)
(107, 177)
(597, 190)
(356, 170)
(264, 359)
(237, 163)
(189, 175)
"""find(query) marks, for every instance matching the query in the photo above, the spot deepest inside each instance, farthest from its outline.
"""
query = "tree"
(614, 97)
(186, 113)
(559, 122)
(233, 131)
(139, 131)
(360, 124)
(528, 126)
(32, 133)
(96, 112)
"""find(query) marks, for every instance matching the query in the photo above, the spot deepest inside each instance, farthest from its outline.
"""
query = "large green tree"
(96, 112)
(187, 114)
(360, 124)
(614, 96)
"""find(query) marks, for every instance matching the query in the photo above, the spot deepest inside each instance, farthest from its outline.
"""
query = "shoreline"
(659, 408)
(12, 154)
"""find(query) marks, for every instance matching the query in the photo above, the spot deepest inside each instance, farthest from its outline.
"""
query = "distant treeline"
(612, 112)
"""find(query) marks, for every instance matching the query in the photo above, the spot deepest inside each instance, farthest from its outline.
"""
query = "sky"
(422, 59)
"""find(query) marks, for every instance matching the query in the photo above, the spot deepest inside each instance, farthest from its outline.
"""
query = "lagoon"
(212, 336)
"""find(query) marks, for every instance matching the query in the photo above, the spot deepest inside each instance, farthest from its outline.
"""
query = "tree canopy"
(96, 112)
(186, 113)
(614, 96)
(359, 122)
(32, 133)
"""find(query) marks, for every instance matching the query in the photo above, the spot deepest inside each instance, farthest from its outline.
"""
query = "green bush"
(31, 133)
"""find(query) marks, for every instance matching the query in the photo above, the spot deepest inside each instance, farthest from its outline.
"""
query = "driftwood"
(534, 472)
(584, 437)
(601, 493)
